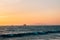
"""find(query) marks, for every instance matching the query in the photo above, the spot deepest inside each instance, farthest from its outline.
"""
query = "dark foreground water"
(30, 32)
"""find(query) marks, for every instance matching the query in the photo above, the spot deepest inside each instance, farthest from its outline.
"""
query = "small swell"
(28, 34)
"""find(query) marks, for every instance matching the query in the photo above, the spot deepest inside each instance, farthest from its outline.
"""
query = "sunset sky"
(44, 12)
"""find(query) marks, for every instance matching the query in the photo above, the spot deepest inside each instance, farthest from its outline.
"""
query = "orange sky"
(45, 12)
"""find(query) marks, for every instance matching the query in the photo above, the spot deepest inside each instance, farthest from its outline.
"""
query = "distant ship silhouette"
(24, 25)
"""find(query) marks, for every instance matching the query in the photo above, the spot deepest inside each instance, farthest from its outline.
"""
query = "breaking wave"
(28, 34)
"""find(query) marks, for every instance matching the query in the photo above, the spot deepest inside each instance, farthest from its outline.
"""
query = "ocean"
(45, 32)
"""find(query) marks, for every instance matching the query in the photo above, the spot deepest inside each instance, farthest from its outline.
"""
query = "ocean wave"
(28, 34)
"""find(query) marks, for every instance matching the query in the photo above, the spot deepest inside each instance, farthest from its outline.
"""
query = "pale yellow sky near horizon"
(45, 12)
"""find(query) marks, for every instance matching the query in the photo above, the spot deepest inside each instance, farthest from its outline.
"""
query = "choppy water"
(19, 29)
